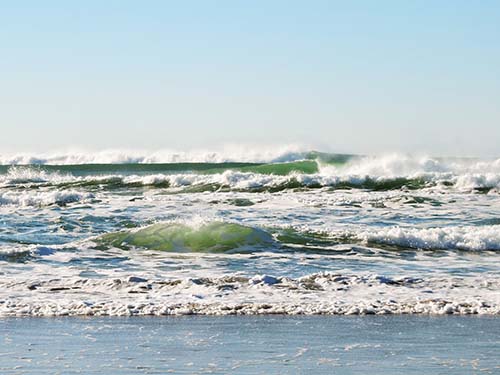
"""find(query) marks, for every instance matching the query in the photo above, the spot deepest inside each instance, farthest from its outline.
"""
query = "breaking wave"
(471, 238)
(324, 170)
(35, 199)
(178, 237)
(467, 238)
(255, 182)
(257, 154)
(218, 236)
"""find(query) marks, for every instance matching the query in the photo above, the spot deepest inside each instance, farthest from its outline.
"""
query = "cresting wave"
(280, 232)
(256, 182)
(213, 236)
(36, 199)
(333, 171)
(257, 154)
(218, 236)
(466, 238)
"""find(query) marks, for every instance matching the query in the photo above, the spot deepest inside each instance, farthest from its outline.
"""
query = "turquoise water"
(298, 233)
(251, 345)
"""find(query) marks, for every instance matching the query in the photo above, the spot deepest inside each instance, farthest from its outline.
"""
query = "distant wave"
(234, 180)
(462, 173)
(35, 199)
(411, 166)
(228, 154)
(313, 170)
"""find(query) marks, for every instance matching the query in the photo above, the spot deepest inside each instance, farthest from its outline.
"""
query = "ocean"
(282, 232)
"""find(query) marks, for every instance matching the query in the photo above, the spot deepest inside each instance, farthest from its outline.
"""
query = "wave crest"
(258, 154)
(213, 236)
(469, 238)
(374, 173)
(35, 199)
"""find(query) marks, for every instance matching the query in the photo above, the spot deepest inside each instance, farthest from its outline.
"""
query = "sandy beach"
(250, 345)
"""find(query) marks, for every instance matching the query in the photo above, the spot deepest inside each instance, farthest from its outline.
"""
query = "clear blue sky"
(355, 76)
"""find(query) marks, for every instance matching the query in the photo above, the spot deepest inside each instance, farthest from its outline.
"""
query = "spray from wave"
(466, 238)
(254, 154)
(307, 170)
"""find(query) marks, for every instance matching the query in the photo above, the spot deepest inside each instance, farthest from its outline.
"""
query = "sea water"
(389, 344)
(246, 233)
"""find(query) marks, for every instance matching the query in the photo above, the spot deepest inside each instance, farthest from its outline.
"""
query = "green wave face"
(281, 169)
(133, 168)
(308, 165)
(176, 237)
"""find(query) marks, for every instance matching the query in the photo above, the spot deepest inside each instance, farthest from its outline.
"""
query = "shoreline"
(245, 314)
(407, 344)
(263, 309)
(315, 294)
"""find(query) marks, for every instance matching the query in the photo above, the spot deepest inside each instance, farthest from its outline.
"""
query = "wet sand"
(251, 345)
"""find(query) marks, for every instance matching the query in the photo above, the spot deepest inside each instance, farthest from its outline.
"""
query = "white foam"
(241, 153)
(462, 174)
(465, 174)
(34, 198)
(22, 174)
(10, 250)
(473, 238)
(401, 165)
(250, 180)
(319, 293)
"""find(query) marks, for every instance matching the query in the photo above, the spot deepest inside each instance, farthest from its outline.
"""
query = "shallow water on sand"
(251, 345)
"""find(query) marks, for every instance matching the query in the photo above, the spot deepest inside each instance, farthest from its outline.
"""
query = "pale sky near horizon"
(346, 76)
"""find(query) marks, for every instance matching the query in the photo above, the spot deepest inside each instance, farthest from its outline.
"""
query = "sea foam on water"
(279, 231)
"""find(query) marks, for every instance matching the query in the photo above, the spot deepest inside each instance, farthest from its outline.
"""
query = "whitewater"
(245, 232)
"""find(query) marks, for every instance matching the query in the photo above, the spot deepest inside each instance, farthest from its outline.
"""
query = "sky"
(346, 76)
